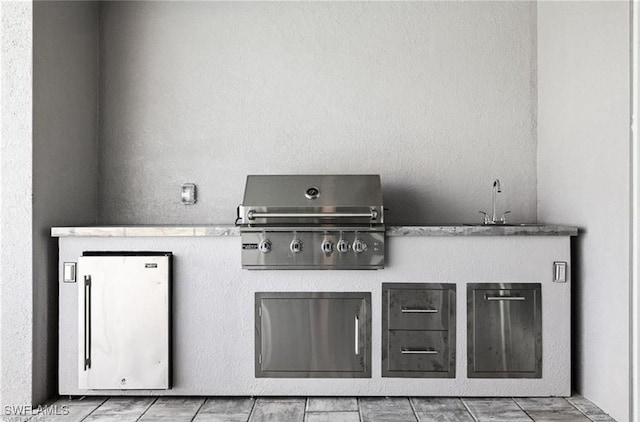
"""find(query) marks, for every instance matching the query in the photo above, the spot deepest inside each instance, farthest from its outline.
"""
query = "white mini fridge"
(124, 320)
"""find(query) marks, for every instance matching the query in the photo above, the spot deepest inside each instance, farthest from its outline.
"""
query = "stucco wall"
(437, 97)
(65, 97)
(583, 178)
(16, 308)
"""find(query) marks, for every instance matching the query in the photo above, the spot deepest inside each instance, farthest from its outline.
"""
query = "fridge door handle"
(87, 322)
(357, 335)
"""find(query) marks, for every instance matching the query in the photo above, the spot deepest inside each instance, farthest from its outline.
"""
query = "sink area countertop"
(484, 230)
(229, 230)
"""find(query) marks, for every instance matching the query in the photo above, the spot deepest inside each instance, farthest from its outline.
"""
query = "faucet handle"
(485, 217)
(503, 219)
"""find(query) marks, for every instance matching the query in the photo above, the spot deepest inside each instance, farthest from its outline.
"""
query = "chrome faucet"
(496, 191)
(494, 218)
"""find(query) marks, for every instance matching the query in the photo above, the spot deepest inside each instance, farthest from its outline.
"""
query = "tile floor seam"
(577, 408)
(96, 408)
(199, 407)
(469, 410)
(584, 413)
(415, 414)
(522, 408)
(148, 407)
(253, 406)
(580, 410)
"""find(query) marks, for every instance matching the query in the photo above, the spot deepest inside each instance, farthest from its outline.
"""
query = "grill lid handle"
(252, 215)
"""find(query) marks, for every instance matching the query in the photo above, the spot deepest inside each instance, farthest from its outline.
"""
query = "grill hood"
(312, 200)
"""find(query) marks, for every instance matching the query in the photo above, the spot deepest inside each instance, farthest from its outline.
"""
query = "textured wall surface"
(65, 58)
(583, 177)
(214, 316)
(16, 308)
(437, 97)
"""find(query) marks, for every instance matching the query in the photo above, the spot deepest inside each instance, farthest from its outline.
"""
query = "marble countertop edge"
(229, 230)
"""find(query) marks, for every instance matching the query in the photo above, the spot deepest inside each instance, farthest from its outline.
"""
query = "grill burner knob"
(264, 246)
(296, 246)
(327, 246)
(359, 246)
(342, 246)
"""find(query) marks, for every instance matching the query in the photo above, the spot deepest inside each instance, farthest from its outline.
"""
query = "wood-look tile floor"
(322, 409)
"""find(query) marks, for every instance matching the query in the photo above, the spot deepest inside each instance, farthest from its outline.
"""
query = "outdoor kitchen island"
(466, 311)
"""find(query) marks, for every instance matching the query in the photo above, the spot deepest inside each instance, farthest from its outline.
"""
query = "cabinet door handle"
(419, 311)
(520, 298)
(418, 352)
(357, 335)
(87, 322)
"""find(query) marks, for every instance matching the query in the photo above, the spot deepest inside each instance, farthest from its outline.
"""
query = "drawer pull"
(418, 311)
(418, 352)
(520, 298)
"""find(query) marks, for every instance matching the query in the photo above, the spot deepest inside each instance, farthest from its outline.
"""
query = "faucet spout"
(496, 190)
(494, 218)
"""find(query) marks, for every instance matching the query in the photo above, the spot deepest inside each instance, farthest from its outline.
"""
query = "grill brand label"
(249, 246)
(151, 265)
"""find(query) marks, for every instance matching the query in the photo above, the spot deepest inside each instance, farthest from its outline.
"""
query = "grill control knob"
(296, 246)
(327, 246)
(359, 246)
(342, 246)
(264, 246)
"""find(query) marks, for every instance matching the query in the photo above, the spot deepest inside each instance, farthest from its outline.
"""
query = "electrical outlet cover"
(188, 193)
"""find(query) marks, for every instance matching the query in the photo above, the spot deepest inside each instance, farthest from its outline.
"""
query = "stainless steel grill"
(312, 222)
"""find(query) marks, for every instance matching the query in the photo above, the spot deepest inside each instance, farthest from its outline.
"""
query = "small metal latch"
(69, 273)
(560, 272)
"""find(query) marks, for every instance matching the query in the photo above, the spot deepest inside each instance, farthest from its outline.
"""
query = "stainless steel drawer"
(418, 330)
(419, 351)
(418, 309)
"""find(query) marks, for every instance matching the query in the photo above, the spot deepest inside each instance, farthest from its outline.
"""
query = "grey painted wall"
(65, 68)
(437, 97)
(583, 178)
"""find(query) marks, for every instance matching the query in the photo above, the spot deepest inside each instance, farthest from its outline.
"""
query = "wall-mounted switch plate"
(69, 273)
(188, 193)
(560, 272)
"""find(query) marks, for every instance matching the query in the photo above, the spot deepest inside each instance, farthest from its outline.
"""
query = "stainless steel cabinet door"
(505, 330)
(313, 335)
(124, 326)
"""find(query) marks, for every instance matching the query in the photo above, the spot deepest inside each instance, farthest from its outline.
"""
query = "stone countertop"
(230, 230)
(482, 230)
